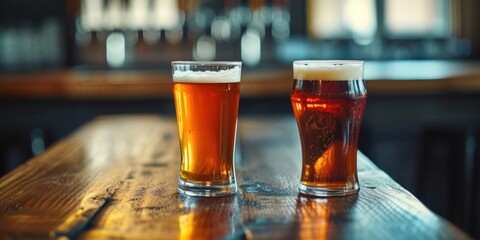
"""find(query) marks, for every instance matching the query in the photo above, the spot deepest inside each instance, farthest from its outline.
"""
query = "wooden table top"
(116, 178)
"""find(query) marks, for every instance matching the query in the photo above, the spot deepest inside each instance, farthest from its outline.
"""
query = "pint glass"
(206, 96)
(328, 99)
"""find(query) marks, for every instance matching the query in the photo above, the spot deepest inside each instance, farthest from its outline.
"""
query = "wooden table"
(116, 177)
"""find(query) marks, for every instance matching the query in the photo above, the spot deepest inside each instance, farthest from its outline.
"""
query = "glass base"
(206, 190)
(328, 191)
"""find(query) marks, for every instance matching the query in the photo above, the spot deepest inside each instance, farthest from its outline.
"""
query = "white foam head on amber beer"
(222, 76)
(328, 70)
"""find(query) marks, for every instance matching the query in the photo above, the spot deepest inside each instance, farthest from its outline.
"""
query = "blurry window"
(344, 19)
(417, 19)
(357, 19)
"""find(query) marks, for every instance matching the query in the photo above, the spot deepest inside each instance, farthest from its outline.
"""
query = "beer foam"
(222, 76)
(328, 70)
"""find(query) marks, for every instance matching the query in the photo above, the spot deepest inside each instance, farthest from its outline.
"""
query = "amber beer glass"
(206, 98)
(328, 99)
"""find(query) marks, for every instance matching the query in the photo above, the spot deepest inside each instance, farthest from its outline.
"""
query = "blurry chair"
(14, 149)
(441, 170)
(17, 145)
(448, 174)
(475, 189)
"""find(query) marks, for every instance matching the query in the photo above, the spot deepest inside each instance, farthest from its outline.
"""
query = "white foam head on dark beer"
(328, 70)
(222, 76)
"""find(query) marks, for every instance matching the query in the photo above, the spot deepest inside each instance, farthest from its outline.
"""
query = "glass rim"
(207, 63)
(329, 62)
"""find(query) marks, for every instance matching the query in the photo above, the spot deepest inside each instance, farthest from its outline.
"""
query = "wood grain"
(116, 179)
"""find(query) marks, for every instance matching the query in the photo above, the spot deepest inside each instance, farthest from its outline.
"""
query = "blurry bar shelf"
(383, 78)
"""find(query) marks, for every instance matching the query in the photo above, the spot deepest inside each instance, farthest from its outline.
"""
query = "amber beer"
(206, 101)
(328, 99)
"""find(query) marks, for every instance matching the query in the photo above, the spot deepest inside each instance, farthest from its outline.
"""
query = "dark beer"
(329, 115)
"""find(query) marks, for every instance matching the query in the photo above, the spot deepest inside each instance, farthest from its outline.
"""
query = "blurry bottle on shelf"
(138, 34)
(151, 33)
(28, 46)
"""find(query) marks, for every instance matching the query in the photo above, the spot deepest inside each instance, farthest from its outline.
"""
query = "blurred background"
(64, 62)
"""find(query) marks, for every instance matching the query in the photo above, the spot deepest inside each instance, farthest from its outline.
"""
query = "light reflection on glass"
(316, 105)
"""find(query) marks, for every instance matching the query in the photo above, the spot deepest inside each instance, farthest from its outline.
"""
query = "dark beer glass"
(328, 99)
(206, 98)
